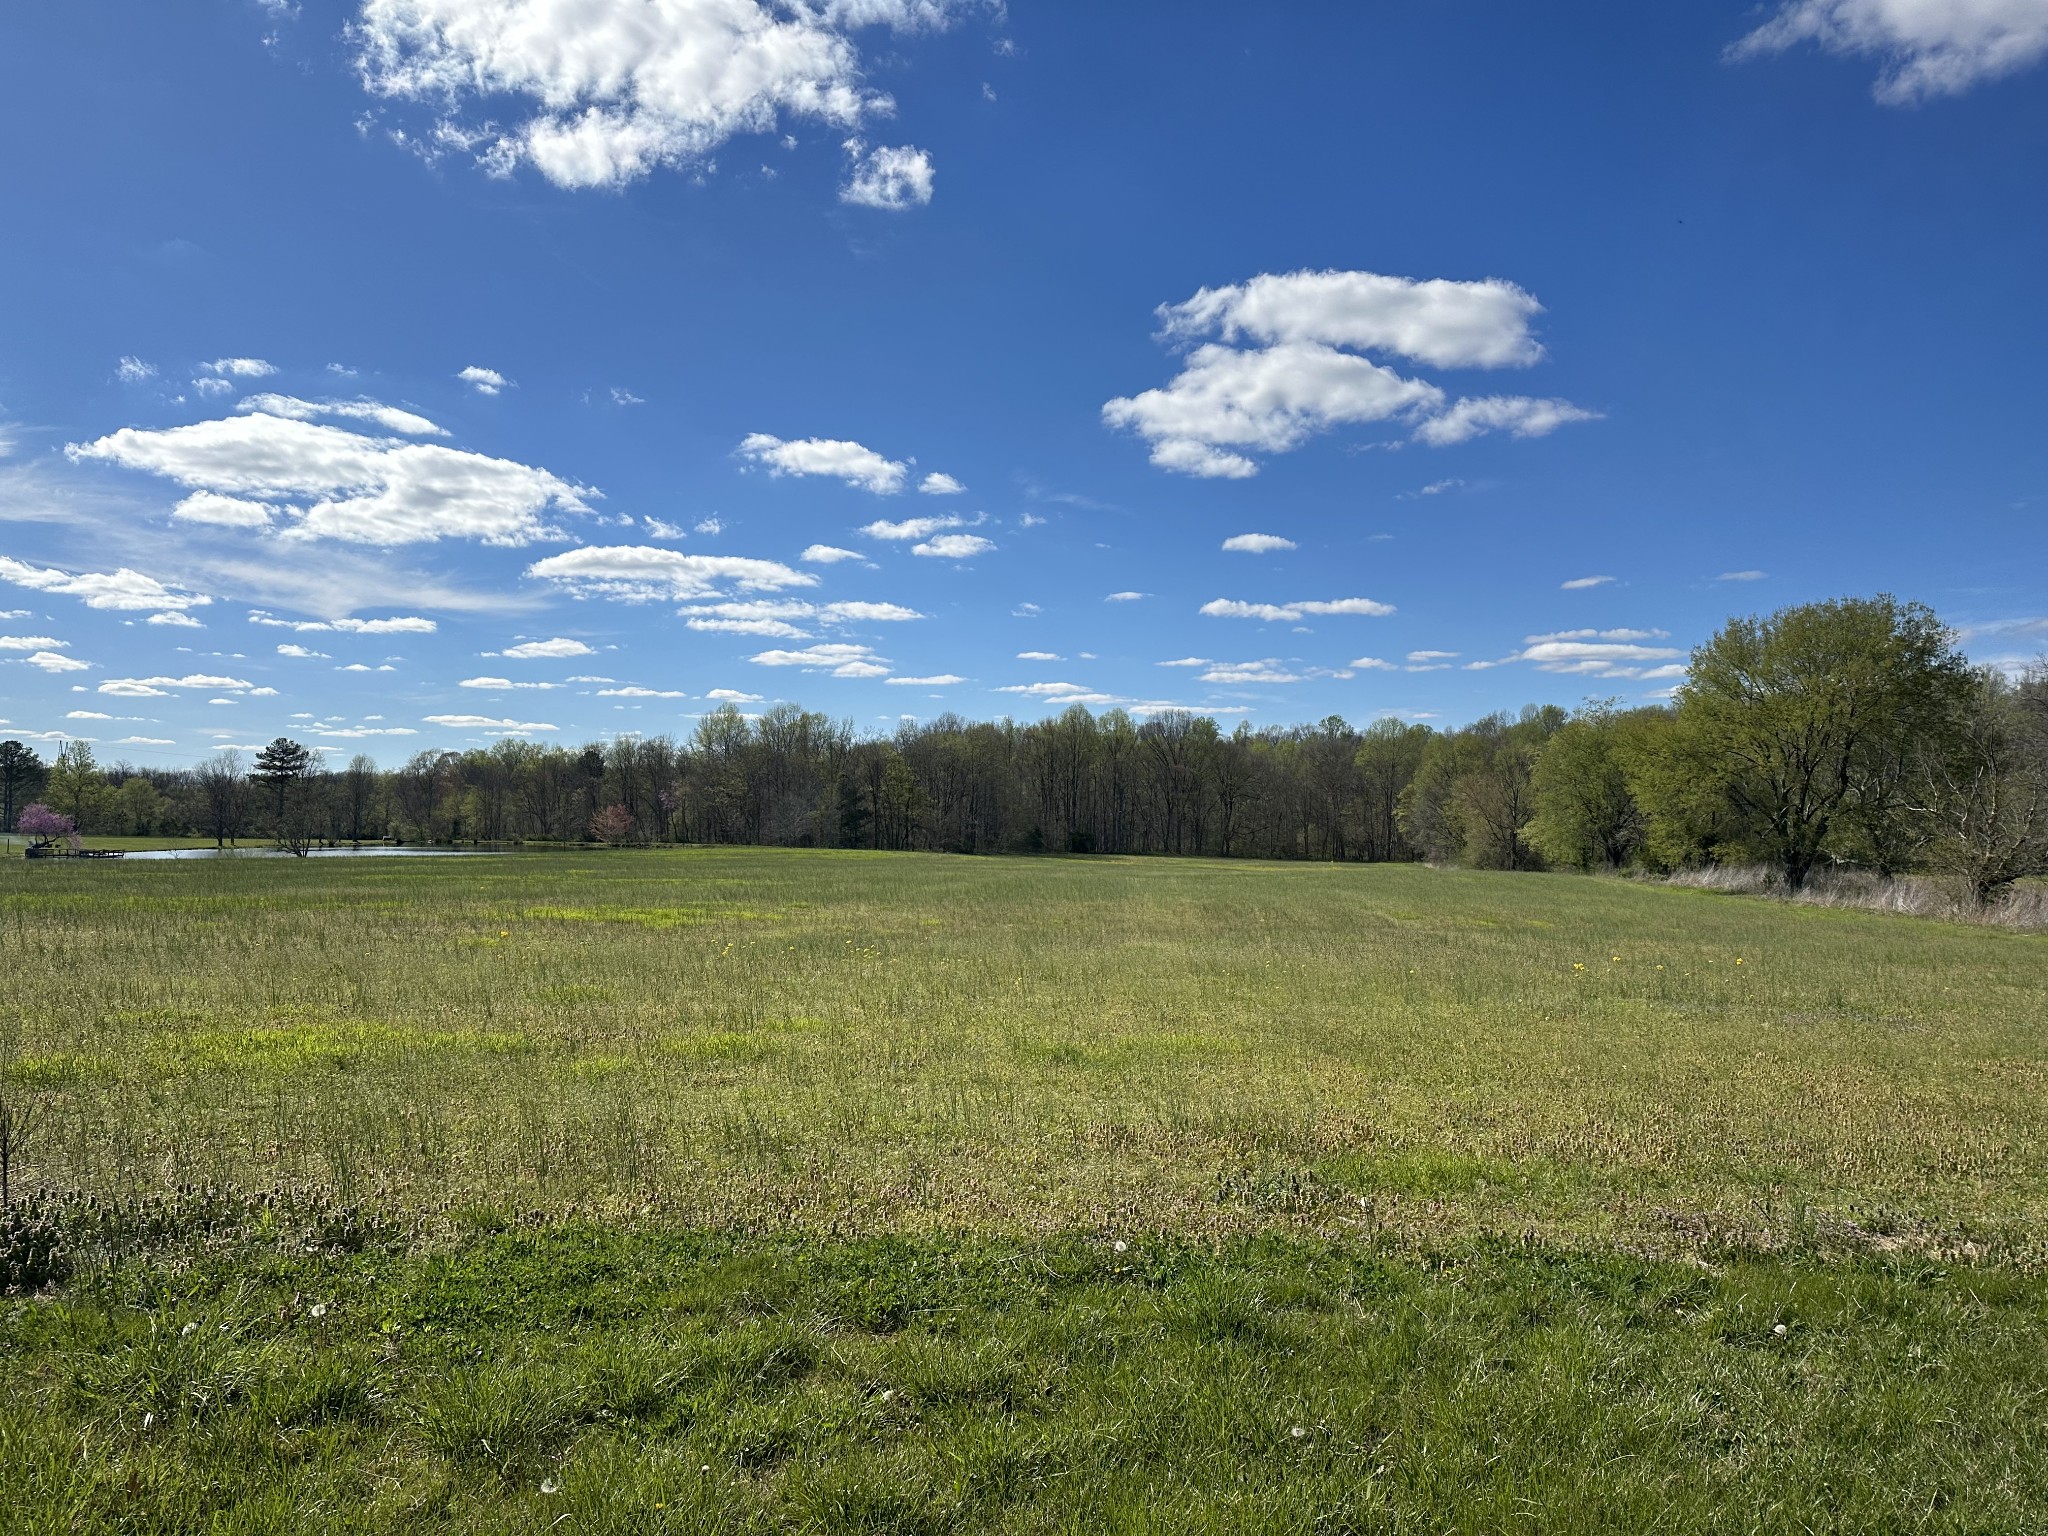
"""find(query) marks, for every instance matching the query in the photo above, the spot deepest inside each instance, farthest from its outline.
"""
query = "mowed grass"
(752, 1190)
(882, 1043)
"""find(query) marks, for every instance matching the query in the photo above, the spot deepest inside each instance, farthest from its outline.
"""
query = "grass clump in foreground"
(769, 1191)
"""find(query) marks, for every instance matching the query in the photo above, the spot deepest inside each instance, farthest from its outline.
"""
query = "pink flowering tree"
(46, 826)
(613, 825)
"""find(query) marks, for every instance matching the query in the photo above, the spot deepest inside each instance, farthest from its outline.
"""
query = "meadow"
(775, 1190)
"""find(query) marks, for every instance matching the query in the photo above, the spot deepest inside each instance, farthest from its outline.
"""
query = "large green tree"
(1796, 723)
(21, 775)
(1587, 816)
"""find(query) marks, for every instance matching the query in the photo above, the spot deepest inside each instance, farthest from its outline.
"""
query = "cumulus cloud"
(780, 619)
(632, 691)
(160, 687)
(238, 368)
(828, 554)
(839, 659)
(1741, 576)
(133, 370)
(531, 650)
(398, 624)
(174, 620)
(52, 661)
(642, 573)
(501, 683)
(954, 546)
(733, 696)
(1927, 48)
(1596, 653)
(32, 643)
(1257, 543)
(1039, 656)
(356, 488)
(1286, 364)
(936, 484)
(1580, 583)
(1293, 613)
(912, 528)
(389, 417)
(1271, 670)
(1516, 414)
(304, 653)
(858, 466)
(942, 680)
(894, 178)
(485, 381)
(619, 88)
(490, 725)
(1126, 597)
(122, 590)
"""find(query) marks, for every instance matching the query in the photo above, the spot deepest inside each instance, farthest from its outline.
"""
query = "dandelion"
(1738, 959)
(1781, 1330)
(188, 1330)
(504, 933)
(550, 1486)
(1120, 1246)
(1297, 1433)
(318, 1309)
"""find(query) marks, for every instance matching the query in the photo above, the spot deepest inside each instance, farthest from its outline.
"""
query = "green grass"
(1500, 1189)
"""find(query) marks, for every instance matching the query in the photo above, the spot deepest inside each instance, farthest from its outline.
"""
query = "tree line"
(1851, 732)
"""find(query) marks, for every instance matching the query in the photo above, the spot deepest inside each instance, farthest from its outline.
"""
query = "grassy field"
(792, 1191)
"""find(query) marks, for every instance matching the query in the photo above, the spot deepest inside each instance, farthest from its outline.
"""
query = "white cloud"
(238, 368)
(1303, 373)
(404, 624)
(1432, 656)
(625, 397)
(133, 370)
(1580, 583)
(1439, 322)
(1372, 664)
(828, 554)
(954, 546)
(1026, 611)
(776, 619)
(1061, 693)
(619, 88)
(51, 661)
(500, 683)
(158, 687)
(1273, 400)
(208, 387)
(1257, 543)
(1291, 613)
(1271, 670)
(892, 177)
(145, 741)
(1741, 576)
(1182, 661)
(943, 680)
(936, 484)
(360, 732)
(858, 466)
(303, 653)
(487, 723)
(87, 714)
(710, 527)
(1039, 656)
(485, 381)
(658, 529)
(733, 696)
(389, 417)
(532, 650)
(1596, 653)
(841, 660)
(640, 573)
(1928, 47)
(1517, 414)
(632, 692)
(912, 528)
(122, 590)
(1126, 597)
(32, 643)
(362, 489)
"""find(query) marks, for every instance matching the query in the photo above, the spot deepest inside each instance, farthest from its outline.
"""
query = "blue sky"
(395, 373)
